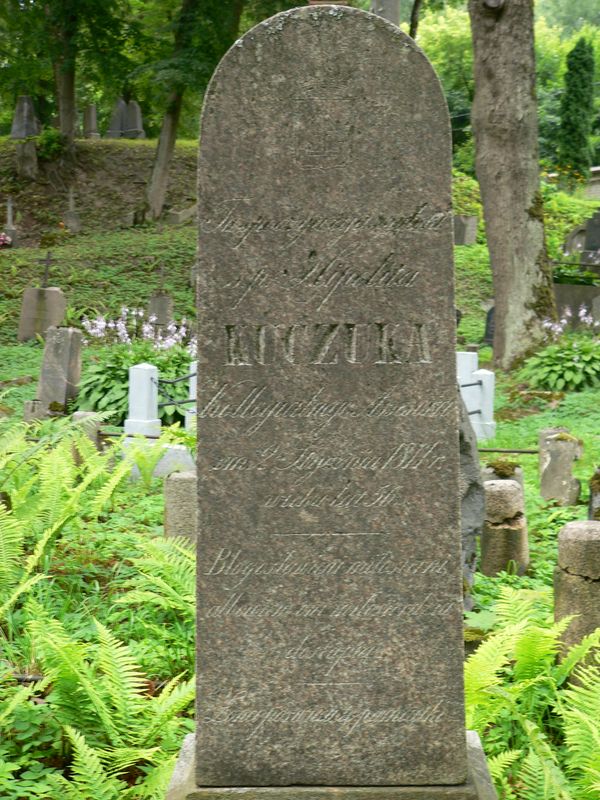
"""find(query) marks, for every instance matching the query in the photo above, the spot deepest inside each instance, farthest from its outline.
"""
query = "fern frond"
(106, 492)
(120, 759)
(75, 681)
(173, 700)
(576, 655)
(89, 776)
(155, 784)
(22, 588)
(523, 605)
(541, 773)
(121, 678)
(12, 535)
(579, 707)
(535, 651)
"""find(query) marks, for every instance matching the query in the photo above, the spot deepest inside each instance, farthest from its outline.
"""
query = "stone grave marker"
(465, 229)
(25, 122)
(592, 233)
(181, 506)
(10, 227)
(71, 217)
(117, 120)
(330, 637)
(90, 122)
(490, 326)
(133, 126)
(42, 307)
(558, 451)
(60, 374)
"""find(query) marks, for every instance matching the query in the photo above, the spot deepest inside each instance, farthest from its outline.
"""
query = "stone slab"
(41, 309)
(181, 505)
(330, 588)
(479, 785)
(61, 369)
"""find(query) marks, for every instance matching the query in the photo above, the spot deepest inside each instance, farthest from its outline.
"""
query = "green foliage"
(105, 380)
(50, 144)
(576, 112)
(517, 699)
(572, 364)
(574, 274)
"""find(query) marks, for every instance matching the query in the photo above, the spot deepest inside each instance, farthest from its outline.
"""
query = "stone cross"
(47, 263)
(330, 634)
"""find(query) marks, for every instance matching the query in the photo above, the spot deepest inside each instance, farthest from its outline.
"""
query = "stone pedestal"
(90, 123)
(181, 505)
(26, 160)
(504, 539)
(577, 579)
(142, 416)
(41, 309)
(478, 786)
(558, 453)
(72, 221)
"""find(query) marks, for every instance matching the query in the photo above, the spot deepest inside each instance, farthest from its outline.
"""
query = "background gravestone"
(90, 122)
(592, 233)
(25, 122)
(490, 327)
(330, 648)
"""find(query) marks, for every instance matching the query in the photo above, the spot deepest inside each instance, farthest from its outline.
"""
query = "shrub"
(105, 382)
(51, 144)
(571, 364)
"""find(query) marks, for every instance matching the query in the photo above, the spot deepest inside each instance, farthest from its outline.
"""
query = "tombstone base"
(478, 786)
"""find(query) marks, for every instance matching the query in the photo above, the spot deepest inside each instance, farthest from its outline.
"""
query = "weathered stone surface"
(577, 579)
(160, 308)
(61, 369)
(90, 122)
(472, 500)
(26, 160)
(579, 549)
(505, 546)
(181, 505)
(558, 452)
(328, 458)
(503, 500)
(594, 501)
(41, 309)
(117, 120)
(25, 122)
(465, 230)
(133, 126)
(479, 784)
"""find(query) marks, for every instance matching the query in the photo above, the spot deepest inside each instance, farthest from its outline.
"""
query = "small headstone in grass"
(10, 228)
(592, 233)
(472, 500)
(160, 309)
(488, 336)
(504, 542)
(594, 501)
(181, 505)
(577, 580)
(558, 451)
(328, 470)
(71, 217)
(42, 307)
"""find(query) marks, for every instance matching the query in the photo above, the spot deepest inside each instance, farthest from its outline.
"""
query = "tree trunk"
(504, 118)
(388, 9)
(159, 180)
(64, 75)
(414, 19)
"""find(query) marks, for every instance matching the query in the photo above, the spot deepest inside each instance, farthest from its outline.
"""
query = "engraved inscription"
(230, 563)
(407, 455)
(247, 401)
(346, 718)
(327, 344)
(230, 217)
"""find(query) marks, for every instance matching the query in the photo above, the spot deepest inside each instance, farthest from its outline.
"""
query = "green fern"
(90, 781)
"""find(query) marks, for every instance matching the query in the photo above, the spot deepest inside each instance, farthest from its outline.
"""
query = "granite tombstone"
(330, 652)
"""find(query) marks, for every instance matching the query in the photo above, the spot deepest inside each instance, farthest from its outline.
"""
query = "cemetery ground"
(97, 607)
